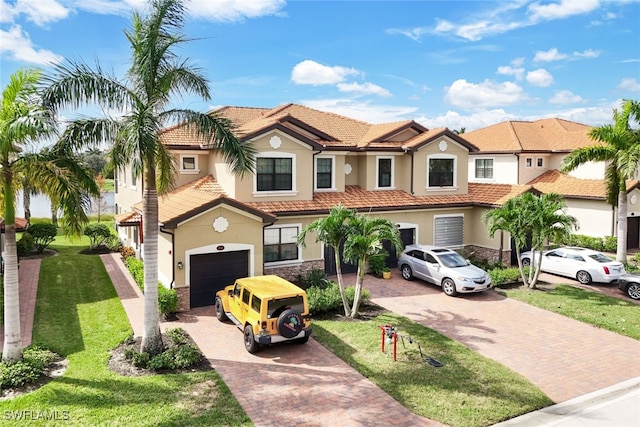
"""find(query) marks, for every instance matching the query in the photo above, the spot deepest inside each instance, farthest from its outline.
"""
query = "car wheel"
(220, 314)
(526, 262)
(289, 323)
(583, 277)
(249, 341)
(633, 290)
(449, 287)
(302, 340)
(407, 274)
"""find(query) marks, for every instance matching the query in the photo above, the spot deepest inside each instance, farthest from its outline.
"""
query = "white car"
(443, 267)
(584, 265)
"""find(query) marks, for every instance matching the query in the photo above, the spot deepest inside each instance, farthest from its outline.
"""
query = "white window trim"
(289, 261)
(475, 177)
(277, 154)
(393, 172)
(455, 172)
(195, 170)
(539, 166)
(333, 173)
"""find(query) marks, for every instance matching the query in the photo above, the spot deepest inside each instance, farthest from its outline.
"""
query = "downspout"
(173, 256)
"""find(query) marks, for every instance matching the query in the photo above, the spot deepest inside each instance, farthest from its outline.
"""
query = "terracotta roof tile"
(541, 135)
(554, 181)
(495, 194)
(128, 218)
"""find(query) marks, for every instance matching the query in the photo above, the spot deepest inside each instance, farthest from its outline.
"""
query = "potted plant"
(386, 272)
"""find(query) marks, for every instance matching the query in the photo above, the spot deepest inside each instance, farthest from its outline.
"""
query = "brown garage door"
(212, 272)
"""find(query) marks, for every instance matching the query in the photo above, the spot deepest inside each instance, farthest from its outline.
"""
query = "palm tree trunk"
(151, 337)
(26, 201)
(362, 265)
(621, 229)
(343, 294)
(12, 350)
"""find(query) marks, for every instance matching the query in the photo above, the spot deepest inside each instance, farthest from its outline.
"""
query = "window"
(324, 173)
(256, 303)
(133, 179)
(280, 244)
(245, 297)
(385, 172)
(484, 168)
(540, 162)
(528, 162)
(274, 174)
(448, 231)
(189, 164)
(441, 172)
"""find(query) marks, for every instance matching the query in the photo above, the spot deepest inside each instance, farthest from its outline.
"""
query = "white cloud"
(563, 9)
(539, 77)
(508, 70)
(41, 12)
(588, 53)
(17, 45)
(364, 88)
(549, 55)
(629, 84)
(364, 111)
(456, 121)
(234, 10)
(484, 95)
(309, 72)
(563, 97)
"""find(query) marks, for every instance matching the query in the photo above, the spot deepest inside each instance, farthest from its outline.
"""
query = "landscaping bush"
(25, 244)
(167, 300)
(377, 265)
(32, 365)
(99, 235)
(180, 354)
(610, 244)
(127, 252)
(505, 276)
(595, 243)
(136, 268)
(324, 300)
(315, 277)
(43, 235)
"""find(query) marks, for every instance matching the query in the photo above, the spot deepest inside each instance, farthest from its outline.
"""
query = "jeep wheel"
(302, 340)
(249, 341)
(290, 323)
(220, 314)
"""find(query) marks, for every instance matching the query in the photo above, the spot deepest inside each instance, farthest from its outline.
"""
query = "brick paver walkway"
(563, 357)
(282, 385)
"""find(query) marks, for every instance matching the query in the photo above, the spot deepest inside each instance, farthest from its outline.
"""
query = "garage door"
(212, 272)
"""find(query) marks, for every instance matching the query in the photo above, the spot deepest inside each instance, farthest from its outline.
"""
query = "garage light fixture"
(180, 265)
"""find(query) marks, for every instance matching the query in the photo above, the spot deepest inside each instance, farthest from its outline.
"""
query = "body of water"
(41, 206)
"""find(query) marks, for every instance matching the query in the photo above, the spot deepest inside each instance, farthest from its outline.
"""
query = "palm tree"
(333, 231)
(155, 74)
(534, 219)
(365, 238)
(620, 148)
(51, 171)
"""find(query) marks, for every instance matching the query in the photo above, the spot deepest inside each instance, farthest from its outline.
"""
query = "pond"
(41, 205)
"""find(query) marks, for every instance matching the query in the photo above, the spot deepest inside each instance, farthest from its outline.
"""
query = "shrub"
(178, 336)
(315, 277)
(505, 276)
(377, 265)
(167, 300)
(136, 268)
(35, 360)
(98, 234)
(610, 244)
(323, 300)
(25, 244)
(127, 252)
(43, 235)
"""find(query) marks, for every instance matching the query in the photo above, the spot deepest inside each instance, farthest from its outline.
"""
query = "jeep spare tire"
(290, 323)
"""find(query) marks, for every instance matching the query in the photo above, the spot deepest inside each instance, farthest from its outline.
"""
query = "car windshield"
(452, 260)
(600, 258)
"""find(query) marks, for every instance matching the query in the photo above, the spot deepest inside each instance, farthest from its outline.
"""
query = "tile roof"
(554, 181)
(549, 135)
(495, 194)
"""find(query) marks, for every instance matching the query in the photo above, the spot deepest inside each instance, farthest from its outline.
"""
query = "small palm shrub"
(325, 300)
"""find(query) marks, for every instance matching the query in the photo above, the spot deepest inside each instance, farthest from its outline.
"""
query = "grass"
(79, 316)
(602, 311)
(469, 390)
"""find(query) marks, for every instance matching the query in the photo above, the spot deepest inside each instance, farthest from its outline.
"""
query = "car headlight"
(464, 279)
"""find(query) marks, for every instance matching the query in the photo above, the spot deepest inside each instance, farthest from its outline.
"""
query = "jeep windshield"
(279, 305)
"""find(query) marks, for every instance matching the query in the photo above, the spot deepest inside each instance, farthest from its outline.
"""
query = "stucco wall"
(595, 217)
(505, 168)
(440, 147)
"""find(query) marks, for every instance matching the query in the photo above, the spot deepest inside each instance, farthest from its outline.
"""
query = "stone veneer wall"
(184, 298)
(291, 272)
(489, 254)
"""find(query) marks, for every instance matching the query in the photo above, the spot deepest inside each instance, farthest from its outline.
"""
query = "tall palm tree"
(52, 171)
(155, 74)
(365, 240)
(538, 219)
(620, 148)
(332, 230)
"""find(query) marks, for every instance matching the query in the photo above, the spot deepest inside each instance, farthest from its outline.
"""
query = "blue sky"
(442, 63)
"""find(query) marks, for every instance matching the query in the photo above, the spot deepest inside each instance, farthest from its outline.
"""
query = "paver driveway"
(563, 357)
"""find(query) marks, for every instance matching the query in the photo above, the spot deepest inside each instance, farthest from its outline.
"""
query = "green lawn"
(614, 314)
(79, 315)
(469, 390)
